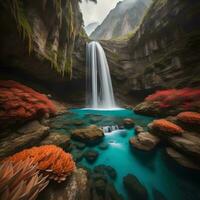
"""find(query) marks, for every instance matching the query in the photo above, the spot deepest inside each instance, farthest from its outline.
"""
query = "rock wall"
(42, 40)
(163, 53)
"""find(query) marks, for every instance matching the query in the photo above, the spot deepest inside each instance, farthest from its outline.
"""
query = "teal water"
(153, 169)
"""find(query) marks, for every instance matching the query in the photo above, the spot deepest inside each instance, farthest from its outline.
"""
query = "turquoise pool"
(154, 169)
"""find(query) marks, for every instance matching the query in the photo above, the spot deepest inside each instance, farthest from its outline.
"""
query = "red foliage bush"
(50, 160)
(165, 126)
(189, 117)
(18, 101)
(186, 98)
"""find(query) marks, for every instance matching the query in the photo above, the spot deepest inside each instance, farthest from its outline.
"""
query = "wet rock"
(29, 135)
(91, 155)
(188, 144)
(181, 159)
(144, 141)
(80, 145)
(112, 193)
(138, 129)
(78, 123)
(106, 170)
(75, 187)
(158, 195)
(77, 155)
(89, 135)
(100, 186)
(57, 139)
(128, 123)
(134, 188)
(103, 146)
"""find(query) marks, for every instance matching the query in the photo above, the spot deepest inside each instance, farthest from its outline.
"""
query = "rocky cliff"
(163, 53)
(124, 18)
(42, 41)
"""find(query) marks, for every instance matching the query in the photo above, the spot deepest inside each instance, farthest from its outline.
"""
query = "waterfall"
(99, 91)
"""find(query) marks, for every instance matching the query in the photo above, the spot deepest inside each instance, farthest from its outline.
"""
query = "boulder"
(128, 123)
(103, 145)
(188, 144)
(75, 187)
(19, 103)
(134, 188)
(90, 135)
(181, 159)
(144, 141)
(29, 135)
(138, 129)
(91, 155)
(158, 195)
(57, 139)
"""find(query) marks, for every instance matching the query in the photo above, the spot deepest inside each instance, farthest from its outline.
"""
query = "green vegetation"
(23, 26)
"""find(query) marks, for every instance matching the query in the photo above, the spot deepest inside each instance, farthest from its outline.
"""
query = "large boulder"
(181, 159)
(144, 141)
(90, 135)
(135, 189)
(57, 139)
(27, 136)
(19, 103)
(76, 187)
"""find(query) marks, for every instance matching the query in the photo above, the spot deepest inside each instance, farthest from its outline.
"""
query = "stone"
(57, 139)
(78, 123)
(144, 141)
(139, 129)
(80, 145)
(77, 155)
(181, 159)
(158, 195)
(75, 187)
(29, 135)
(103, 146)
(100, 186)
(91, 155)
(104, 169)
(128, 123)
(89, 135)
(134, 188)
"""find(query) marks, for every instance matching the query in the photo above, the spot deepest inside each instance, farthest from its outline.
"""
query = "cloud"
(96, 12)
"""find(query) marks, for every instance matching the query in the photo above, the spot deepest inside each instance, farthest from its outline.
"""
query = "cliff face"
(124, 18)
(164, 52)
(42, 40)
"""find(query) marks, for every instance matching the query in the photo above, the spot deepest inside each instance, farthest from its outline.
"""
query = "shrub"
(51, 161)
(166, 126)
(189, 117)
(20, 180)
(186, 98)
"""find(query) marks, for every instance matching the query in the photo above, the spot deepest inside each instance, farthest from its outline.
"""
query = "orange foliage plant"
(166, 126)
(51, 160)
(189, 117)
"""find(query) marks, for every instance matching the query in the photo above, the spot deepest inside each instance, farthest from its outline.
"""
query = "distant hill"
(124, 18)
(91, 27)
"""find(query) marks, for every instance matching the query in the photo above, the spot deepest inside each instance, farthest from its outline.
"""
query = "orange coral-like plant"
(189, 117)
(166, 126)
(51, 160)
(20, 180)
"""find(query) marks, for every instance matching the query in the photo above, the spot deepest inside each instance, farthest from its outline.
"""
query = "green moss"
(23, 26)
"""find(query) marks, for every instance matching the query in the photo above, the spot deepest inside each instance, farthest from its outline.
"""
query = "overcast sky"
(96, 12)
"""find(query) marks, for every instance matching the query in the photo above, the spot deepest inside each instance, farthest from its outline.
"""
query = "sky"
(96, 12)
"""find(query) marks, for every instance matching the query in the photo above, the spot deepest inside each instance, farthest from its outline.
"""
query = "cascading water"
(99, 85)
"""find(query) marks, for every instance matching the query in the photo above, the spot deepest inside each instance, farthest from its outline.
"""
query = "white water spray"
(99, 85)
